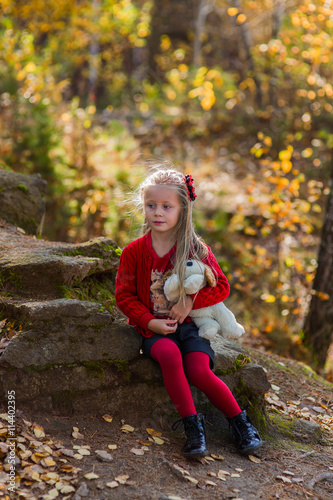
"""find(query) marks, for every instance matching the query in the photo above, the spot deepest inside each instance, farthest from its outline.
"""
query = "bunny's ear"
(209, 275)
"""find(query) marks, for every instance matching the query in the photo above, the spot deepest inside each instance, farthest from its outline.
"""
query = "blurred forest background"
(239, 93)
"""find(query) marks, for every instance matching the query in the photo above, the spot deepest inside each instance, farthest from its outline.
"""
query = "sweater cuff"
(197, 301)
(144, 320)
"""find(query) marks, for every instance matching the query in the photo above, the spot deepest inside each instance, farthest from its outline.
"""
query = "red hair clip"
(190, 188)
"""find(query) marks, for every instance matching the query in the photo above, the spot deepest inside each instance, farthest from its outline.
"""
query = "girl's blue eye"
(166, 206)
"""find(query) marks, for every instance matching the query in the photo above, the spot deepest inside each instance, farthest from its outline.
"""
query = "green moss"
(240, 362)
(98, 326)
(23, 188)
(122, 366)
(254, 405)
(95, 369)
(118, 252)
(14, 279)
(107, 248)
(282, 426)
(93, 289)
(71, 253)
(31, 222)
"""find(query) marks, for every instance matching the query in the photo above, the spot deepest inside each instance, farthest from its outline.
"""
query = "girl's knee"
(166, 352)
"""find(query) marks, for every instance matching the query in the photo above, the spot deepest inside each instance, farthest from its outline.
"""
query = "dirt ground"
(58, 456)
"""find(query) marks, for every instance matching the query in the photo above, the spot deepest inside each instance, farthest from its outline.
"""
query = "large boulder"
(36, 268)
(73, 356)
(74, 350)
(22, 200)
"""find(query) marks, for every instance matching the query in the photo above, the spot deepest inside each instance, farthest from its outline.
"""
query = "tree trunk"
(318, 327)
(205, 7)
(248, 43)
(278, 13)
(94, 51)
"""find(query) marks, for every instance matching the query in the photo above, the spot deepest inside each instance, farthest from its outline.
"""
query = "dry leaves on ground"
(306, 408)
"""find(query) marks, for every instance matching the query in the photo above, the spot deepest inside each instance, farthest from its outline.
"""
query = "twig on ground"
(174, 468)
(320, 477)
(306, 454)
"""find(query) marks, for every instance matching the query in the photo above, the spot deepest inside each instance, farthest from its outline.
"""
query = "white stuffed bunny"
(210, 320)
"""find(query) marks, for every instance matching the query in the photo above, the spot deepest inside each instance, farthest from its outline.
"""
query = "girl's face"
(162, 208)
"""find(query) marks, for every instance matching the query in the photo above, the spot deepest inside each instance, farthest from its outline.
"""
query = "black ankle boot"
(243, 433)
(195, 433)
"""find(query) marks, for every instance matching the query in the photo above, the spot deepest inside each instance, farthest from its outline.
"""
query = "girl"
(169, 335)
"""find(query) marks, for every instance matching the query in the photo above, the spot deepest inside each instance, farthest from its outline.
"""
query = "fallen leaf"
(254, 459)
(52, 475)
(112, 446)
(39, 431)
(210, 459)
(284, 479)
(103, 456)
(158, 440)
(67, 468)
(235, 475)
(3, 447)
(222, 473)
(53, 493)
(107, 418)
(127, 428)
(77, 434)
(210, 483)
(83, 452)
(137, 451)
(78, 456)
(318, 409)
(213, 474)
(113, 484)
(122, 479)
(154, 433)
(217, 457)
(67, 489)
(238, 469)
(91, 475)
(191, 479)
(47, 462)
(67, 453)
(35, 458)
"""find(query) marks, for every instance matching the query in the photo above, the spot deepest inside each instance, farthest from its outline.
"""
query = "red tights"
(168, 355)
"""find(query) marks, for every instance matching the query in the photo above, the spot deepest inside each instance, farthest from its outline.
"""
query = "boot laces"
(191, 427)
(245, 428)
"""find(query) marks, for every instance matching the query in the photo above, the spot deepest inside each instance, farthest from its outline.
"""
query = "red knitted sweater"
(133, 284)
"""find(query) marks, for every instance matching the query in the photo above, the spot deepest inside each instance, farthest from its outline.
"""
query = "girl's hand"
(180, 311)
(163, 326)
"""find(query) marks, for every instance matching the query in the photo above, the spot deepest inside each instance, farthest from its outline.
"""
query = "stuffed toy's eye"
(189, 263)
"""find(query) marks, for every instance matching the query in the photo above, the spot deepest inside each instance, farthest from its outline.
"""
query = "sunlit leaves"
(201, 85)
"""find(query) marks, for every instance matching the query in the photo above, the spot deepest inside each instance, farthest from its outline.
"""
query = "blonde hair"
(189, 244)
